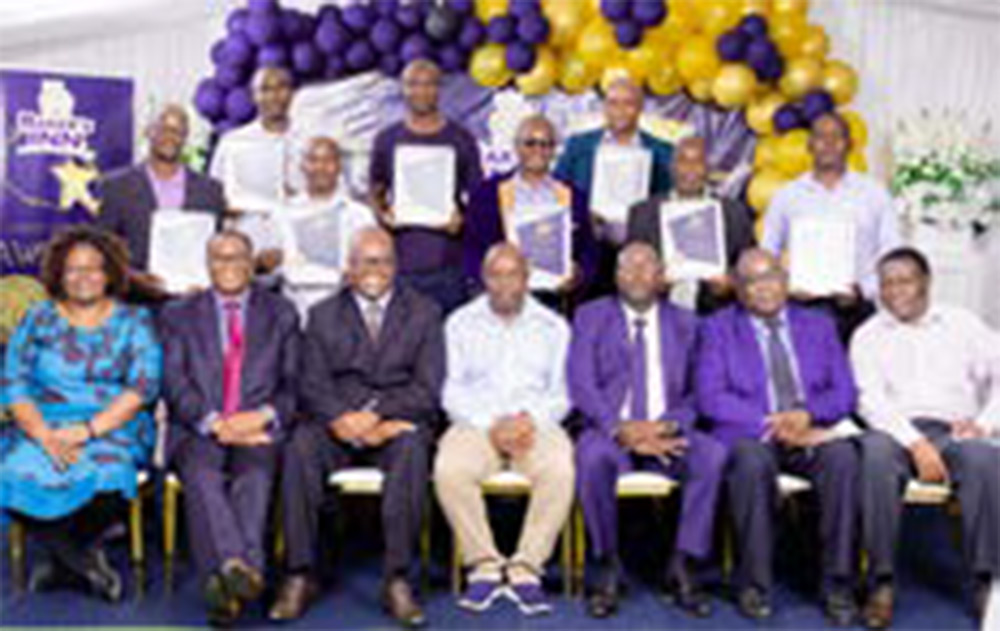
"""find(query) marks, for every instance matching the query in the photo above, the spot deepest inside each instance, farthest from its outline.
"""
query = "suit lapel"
(211, 345)
(254, 335)
(144, 191)
(669, 352)
(752, 355)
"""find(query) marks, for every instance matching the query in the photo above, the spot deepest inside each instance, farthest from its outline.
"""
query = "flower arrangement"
(947, 171)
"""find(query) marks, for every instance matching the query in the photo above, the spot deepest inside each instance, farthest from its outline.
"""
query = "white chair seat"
(918, 492)
(358, 480)
(507, 483)
(792, 484)
(645, 484)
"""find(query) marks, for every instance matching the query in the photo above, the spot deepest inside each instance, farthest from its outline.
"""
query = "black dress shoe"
(981, 597)
(754, 604)
(294, 596)
(877, 613)
(682, 590)
(841, 608)
(242, 580)
(104, 581)
(48, 575)
(223, 606)
(399, 601)
(603, 600)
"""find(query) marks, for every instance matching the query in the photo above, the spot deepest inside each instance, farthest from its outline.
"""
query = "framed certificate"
(621, 178)
(423, 185)
(821, 255)
(177, 248)
(255, 174)
(693, 238)
(544, 234)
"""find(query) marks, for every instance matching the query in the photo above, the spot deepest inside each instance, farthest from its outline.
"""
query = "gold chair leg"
(16, 540)
(580, 549)
(456, 565)
(425, 546)
(137, 548)
(567, 558)
(279, 534)
(171, 489)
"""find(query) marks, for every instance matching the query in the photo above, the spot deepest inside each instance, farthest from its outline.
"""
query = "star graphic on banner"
(74, 182)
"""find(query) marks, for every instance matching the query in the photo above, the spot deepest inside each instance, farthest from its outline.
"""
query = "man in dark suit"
(231, 358)
(773, 381)
(371, 378)
(130, 197)
(690, 175)
(630, 375)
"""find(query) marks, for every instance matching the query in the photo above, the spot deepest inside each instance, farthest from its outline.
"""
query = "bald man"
(623, 103)
(130, 197)
(373, 365)
(505, 395)
(690, 176)
(430, 257)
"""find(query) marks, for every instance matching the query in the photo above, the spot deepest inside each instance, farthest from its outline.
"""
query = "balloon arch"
(761, 58)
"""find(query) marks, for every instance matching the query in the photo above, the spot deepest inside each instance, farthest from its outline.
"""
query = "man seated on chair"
(371, 376)
(630, 376)
(929, 383)
(230, 358)
(505, 394)
(771, 380)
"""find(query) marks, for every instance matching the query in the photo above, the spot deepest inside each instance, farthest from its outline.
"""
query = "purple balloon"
(615, 10)
(390, 65)
(240, 107)
(501, 29)
(306, 59)
(520, 56)
(237, 21)
(223, 127)
(452, 58)
(815, 104)
(262, 6)
(465, 7)
(532, 28)
(294, 25)
(524, 8)
(331, 36)
(237, 50)
(360, 56)
(231, 76)
(386, 35)
(264, 28)
(732, 46)
(385, 8)
(336, 67)
(358, 18)
(758, 52)
(471, 34)
(410, 17)
(773, 69)
(787, 117)
(416, 46)
(210, 100)
(218, 52)
(649, 13)
(328, 12)
(274, 55)
(754, 26)
(628, 33)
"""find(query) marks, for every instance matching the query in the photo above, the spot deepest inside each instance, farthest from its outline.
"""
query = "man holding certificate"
(701, 234)
(615, 167)
(547, 219)
(131, 198)
(834, 224)
(423, 170)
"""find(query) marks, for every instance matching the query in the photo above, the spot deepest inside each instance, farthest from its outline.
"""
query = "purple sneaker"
(530, 599)
(480, 595)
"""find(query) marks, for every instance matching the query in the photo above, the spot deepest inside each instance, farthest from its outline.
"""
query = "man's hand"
(243, 429)
(268, 260)
(61, 453)
(849, 298)
(968, 429)
(351, 426)
(386, 431)
(513, 435)
(651, 438)
(454, 225)
(720, 286)
(788, 427)
(930, 465)
(572, 281)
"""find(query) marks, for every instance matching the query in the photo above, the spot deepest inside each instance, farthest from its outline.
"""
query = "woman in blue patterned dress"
(80, 374)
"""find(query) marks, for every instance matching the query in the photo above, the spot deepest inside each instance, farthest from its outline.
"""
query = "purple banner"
(59, 134)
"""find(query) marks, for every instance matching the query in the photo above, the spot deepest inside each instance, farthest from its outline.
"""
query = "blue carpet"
(931, 595)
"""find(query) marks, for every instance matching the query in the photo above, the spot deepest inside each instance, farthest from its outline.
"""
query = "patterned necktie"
(373, 319)
(639, 406)
(786, 395)
(232, 363)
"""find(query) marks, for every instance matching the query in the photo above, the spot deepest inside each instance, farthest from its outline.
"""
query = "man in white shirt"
(833, 191)
(929, 381)
(505, 394)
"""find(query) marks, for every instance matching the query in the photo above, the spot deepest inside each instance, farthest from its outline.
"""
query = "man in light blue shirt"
(505, 394)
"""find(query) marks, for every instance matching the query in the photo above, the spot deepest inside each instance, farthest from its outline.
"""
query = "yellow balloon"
(858, 128)
(565, 21)
(614, 72)
(488, 66)
(489, 9)
(762, 188)
(576, 75)
(756, 7)
(760, 113)
(793, 156)
(697, 59)
(734, 86)
(787, 31)
(765, 155)
(684, 14)
(801, 75)
(814, 42)
(700, 90)
(790, 7)
(857, 161)
(642, 60)
(597, 43)
(840, 81)
(542, 76)
(665, 37)
(665, 80)
(718, 16)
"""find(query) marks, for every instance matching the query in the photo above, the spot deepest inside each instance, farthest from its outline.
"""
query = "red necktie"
(232, 363)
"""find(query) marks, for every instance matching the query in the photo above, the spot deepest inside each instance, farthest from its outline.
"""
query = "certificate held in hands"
(255, 174)
(177, 248)
(693, 238)
(821, 253)
(543, 232)
(316, 246)
(423, 185)
(621, 179)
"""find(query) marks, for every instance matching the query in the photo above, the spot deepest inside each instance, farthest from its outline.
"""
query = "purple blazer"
(599, 367)
(731, 381)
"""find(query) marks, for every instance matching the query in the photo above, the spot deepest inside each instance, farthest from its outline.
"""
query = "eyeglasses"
(84, 270)
(538, 143)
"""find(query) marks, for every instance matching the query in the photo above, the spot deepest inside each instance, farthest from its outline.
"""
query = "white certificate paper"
(263, 228)
(255, 175)
(423, 191)
(621, 178)
(543, 232)
(177, 248)
(693, 239)
(821, 255)
(316, 245)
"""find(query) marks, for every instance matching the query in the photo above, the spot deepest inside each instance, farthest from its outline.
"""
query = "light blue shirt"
(498, 367)
(856, 197)
(763, 335)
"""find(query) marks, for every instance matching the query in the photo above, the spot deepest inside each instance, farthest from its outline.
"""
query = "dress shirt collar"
(760, 324)
(609, 139)
(520, 181)
(846, 181)
(934, 315)
(221, 301)
(650, 315)
(364, 301)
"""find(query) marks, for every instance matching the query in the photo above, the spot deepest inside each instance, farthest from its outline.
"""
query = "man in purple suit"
(638, 400)
(230, 364)
(773, 379)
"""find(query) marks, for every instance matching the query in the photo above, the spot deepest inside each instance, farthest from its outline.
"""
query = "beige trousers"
(465, 458)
